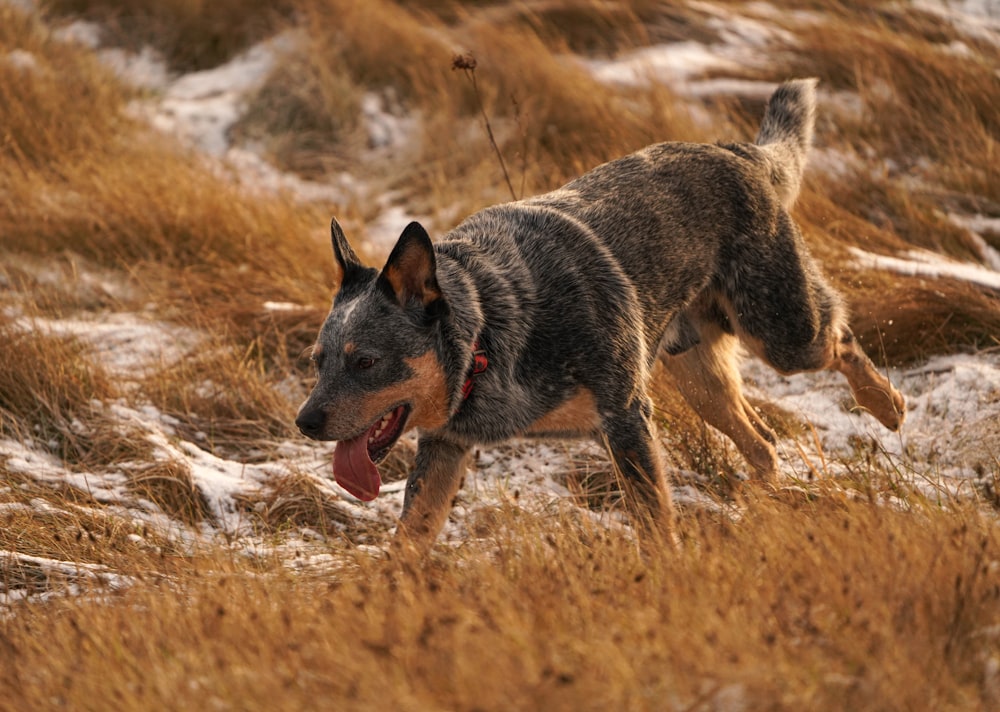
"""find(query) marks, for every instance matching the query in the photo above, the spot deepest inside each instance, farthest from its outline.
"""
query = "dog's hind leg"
(430, 491)
(837, 350)
(871, 389)
(786, 314)
(707, 377)
(638, 456)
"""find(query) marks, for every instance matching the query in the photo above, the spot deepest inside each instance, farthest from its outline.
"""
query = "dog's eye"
(364, 362)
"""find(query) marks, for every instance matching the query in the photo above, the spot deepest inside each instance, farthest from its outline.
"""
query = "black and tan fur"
(677, 252)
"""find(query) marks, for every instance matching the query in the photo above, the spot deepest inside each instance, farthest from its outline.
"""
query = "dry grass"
(308, 115)
(53, 396)
(191, 34)
(824, 604)
(168, 485)
(553, 118)
(855, 595)
(297, 502)
(224, 401)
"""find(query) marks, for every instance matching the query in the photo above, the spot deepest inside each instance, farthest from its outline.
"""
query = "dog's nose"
(311, 422)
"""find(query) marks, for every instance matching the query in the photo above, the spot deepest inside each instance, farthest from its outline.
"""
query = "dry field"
(167, 540)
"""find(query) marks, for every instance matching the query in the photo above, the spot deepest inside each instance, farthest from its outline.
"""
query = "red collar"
(479, 364)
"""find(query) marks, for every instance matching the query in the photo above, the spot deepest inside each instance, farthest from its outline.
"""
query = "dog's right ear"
(343, 251)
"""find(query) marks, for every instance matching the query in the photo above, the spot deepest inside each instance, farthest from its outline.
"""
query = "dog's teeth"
(382, 425)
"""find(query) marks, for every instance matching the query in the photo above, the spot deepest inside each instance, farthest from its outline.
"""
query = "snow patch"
(146, 70)
(952, 426)
(978, 19)
(920, 263)
(82, 32)
(202, 106)
(125, 344)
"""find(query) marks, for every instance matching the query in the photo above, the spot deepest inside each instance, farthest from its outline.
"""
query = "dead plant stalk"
(467, 63)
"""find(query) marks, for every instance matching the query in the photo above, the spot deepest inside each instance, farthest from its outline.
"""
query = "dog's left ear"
(410, 273)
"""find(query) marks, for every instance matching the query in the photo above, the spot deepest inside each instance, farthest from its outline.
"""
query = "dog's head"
(378, 372)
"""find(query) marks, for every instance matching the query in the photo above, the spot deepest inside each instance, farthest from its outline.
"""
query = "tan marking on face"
(577, 416)
(429, 385)
(349, 347)
(426, 392)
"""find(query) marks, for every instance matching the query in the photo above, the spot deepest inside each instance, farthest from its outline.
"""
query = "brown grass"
(915, 93)
(191, 34)
(908, 320)
(855, 594)
(52, 395)
(223, 400)
(64, 81)
(828, 604)
(527, 87)
(295, 501)
(308, 115)
(168, 485)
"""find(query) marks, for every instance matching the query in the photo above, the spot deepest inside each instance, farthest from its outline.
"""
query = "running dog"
(545, 317)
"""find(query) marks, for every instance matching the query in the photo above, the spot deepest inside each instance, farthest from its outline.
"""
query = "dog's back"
(649, 223)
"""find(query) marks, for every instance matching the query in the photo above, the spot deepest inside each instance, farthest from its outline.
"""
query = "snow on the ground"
(76, 574)
(950, 434)
(979, 19)
(128, 345)
(202, 106)
(922, 263)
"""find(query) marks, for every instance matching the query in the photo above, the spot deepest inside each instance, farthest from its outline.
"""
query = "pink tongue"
(354, 470)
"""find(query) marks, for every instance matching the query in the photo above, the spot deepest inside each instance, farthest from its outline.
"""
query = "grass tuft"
(52, 395)
(785, 609)
(190, 34)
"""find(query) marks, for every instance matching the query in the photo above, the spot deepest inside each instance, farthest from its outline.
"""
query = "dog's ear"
(342, 250)
(410, 273)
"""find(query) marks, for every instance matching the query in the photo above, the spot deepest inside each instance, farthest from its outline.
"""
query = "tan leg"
(707, 377)
(871, 389)
(430, 492)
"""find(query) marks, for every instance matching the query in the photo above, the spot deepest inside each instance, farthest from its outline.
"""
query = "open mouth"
(354, 460)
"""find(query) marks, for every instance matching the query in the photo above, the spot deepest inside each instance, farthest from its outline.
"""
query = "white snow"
(953, 416)
(976, 225)
(922, 263)
(82, 32)
(954, 401)
(74, 575)
(21, 59)
(387, 129)
(682, 65)
(202, 106)
(979, 19)
(126, 344)
(673, 64)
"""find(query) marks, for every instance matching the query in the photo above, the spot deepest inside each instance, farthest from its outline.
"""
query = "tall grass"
(51, 394)
(191, 34)
(829, 604)
(858, 594)
(111, 191)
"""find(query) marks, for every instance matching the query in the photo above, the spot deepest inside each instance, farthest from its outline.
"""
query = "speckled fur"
(673, 252)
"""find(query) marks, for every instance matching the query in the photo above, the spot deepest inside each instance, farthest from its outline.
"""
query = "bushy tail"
(786, 134)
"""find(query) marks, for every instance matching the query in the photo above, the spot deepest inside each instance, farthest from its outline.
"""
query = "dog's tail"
(786, 134)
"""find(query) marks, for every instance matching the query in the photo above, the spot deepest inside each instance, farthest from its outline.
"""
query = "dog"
(545, 317)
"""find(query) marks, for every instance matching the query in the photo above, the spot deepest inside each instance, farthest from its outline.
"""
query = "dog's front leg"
(430, 491)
